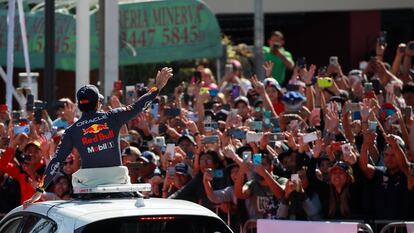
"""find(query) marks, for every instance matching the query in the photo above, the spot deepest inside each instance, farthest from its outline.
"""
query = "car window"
(158, 224)
(12, 225)
(38, 224)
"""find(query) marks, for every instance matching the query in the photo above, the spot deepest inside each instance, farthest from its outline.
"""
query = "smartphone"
(356, 115)
(275, 124)
(301, 62)
(408, 111)
(237, 133)
(310, 137)
(247, 156)
(267, 119)
(16, 116)
(30, 102)
(170, 150)
(172, 112)
(277, 137)
(276, 46)
(210, 126)
(159, 141)
(213, 92)
(21, 129)
(346, 149)
(192, 116)
(295, 178)
(235, 91)
(253, 137)
(333, 60)
(257, 159)
(382, 38)
(368, 87)
(256, 125)
(130, 94)
(39, 107)
(228, 68)
(218, 173)
(171, 171)
(325, 82)
(210, 139)
(154, 110)
(372, 126)
(292, 87)
(118, 85)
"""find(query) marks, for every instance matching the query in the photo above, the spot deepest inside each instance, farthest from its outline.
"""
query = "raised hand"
(258, 86)
(163, 76)
(268, 66)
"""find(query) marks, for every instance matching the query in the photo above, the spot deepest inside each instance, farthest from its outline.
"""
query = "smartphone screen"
(310, 137)
(154, 110)
(235, 92)
(257, 159)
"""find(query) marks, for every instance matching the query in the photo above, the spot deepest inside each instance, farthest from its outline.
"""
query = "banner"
(150, 32)
(282, 226)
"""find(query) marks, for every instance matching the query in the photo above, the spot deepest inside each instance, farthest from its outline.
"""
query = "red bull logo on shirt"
(95, 128)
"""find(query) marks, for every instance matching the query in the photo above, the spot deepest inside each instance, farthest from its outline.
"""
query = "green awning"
(150, 32)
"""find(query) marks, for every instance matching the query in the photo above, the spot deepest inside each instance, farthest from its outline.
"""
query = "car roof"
(88, 211)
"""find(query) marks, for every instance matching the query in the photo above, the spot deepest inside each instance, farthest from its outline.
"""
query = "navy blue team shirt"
(96, 136)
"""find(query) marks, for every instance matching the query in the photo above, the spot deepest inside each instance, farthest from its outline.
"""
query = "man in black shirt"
(389, 185)
(96, 136)
(9, 194)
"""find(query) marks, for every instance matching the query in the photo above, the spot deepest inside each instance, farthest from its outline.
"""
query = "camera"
(325, 82)
(277, 46)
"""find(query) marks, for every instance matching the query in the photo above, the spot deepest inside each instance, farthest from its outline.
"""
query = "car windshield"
(158, 224)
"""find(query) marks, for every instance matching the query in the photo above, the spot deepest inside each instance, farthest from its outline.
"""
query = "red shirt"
(26, 189)
(279, 107)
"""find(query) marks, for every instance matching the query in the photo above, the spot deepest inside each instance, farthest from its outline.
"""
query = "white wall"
(277, 6)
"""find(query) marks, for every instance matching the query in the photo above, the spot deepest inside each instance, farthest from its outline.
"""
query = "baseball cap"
(131, 150)
(182, 168)
(88, 95)
(344, 167)
(241, 99)
(271, 82)
(222, 115)
(187, 136)
(33, 142)
(148, 157)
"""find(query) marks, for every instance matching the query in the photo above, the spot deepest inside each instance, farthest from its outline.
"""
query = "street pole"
(111, 45)
(82, 43)
(49, 83)
(101, 41)
(258, 38)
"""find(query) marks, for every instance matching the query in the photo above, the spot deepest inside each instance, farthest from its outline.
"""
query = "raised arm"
(125, 114)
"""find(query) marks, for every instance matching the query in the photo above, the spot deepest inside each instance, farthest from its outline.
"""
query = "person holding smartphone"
(276, 53)
(96, 136)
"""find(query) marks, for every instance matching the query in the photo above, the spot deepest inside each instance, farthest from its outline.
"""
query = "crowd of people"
(314, 146)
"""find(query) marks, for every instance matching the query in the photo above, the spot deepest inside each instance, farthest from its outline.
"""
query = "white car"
(114, 215)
